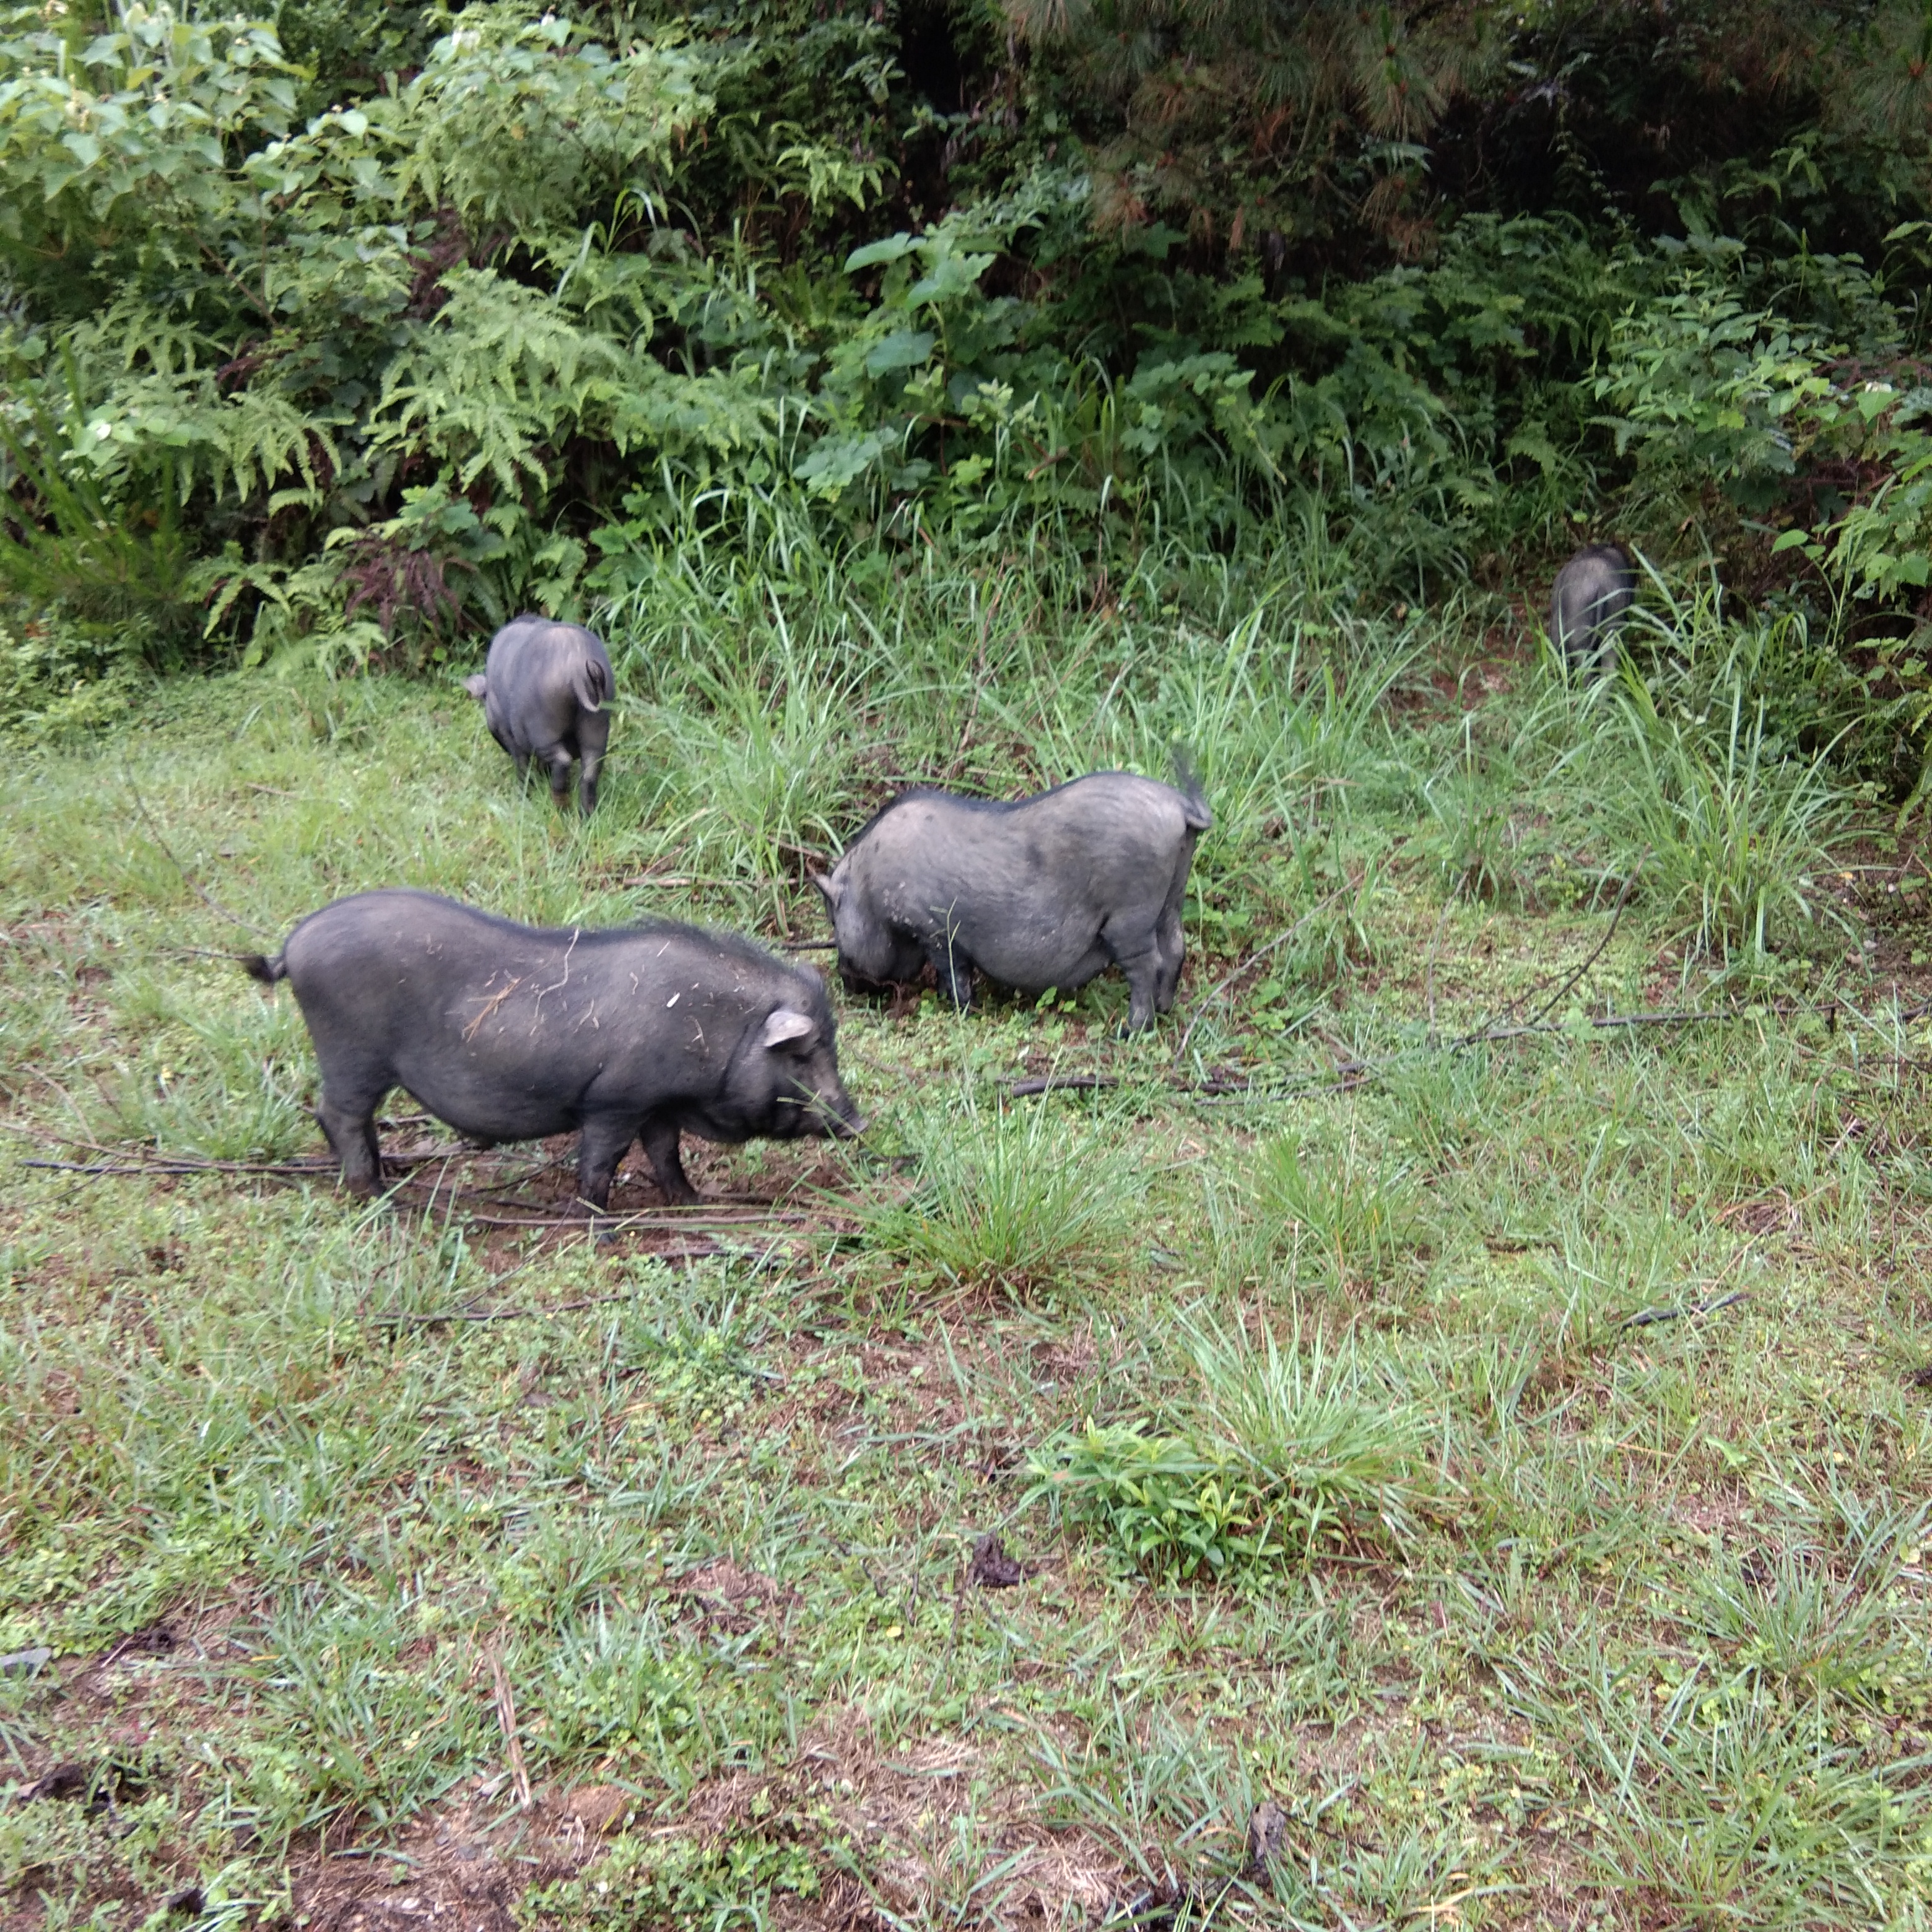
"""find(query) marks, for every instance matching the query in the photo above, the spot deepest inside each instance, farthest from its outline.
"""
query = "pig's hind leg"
(1171, 941)
(557, 759)
(593, 735)
(351, 1128)
(1135, 949)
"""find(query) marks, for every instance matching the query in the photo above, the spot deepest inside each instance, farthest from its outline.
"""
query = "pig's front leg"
(660, 1139)
(954, 969)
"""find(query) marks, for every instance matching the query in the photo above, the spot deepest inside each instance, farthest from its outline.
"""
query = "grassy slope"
(1591, 1620)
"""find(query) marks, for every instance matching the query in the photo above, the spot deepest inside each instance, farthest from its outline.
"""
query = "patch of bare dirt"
(725, 1597)
(463, 1866)
(900, 1808)
(1772, 1213)
(897, 1808)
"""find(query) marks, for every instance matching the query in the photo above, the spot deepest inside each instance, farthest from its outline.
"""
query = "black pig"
(510, 1032)
(1593, 591)
(1046, 892)
(543, 689)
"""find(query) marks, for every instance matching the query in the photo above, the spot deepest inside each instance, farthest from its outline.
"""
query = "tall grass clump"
(1278, 1453)
(1712, 768)
(1007, 1198)
(1732, 827)
(1350, 1216)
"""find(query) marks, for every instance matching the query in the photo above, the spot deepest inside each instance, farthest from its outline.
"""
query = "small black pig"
(1593, 591)
(1046, 892)
(510, 1032)
(543, 690)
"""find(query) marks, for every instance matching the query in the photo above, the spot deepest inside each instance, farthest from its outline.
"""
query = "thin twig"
(1646, 1318)
(1604, 1022)
(1429, 979)
(1486, 1030)
(696, 1218)
(1053, 1083)
(506, 1721)
(295, 1169)
(400, 1318)
(1596, 951)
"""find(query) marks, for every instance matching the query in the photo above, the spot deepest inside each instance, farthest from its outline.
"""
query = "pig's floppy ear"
(787, 1024)
(478, 687)
(833, 889)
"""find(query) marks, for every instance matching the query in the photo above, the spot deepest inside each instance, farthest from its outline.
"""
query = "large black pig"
(1045, 891)
(1592, 591)
(543, 690)
(511, 1032)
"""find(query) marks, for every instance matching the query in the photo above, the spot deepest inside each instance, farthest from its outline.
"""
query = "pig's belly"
(487, 1106)
(1032, 970)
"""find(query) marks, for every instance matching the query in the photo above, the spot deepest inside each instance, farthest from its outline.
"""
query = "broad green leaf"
(893, 248)
(904, 349)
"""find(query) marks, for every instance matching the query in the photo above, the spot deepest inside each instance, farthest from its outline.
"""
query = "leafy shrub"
(54, 679)
(370, 374)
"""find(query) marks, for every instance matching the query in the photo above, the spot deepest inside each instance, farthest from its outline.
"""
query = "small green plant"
(1287, 1452)
(650, 1883)
(1167, 1504)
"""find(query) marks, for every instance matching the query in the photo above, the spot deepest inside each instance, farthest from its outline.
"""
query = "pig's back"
(1075, 852)
(508, 1031)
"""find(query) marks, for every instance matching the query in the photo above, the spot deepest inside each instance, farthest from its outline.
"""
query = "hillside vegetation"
(1436, 1432)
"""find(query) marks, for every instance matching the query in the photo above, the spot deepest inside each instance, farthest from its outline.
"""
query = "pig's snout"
(848, 1126)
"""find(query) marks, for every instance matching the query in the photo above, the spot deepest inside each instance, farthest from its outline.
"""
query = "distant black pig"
(1593, 591)
(1046, 892)
(510, 1032)
(544, 688)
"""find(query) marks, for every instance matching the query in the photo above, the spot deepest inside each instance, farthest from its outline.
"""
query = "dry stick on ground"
(187, 1164)
(1645, 1318)
(1428, 980)
(506, 1721)
(702, 1216)
(208, 899)
(399, 1319)
(1350, 1073)
(1486, 1030)
(1055, 1083)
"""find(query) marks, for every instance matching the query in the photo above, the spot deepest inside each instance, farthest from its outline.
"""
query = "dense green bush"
(347, 337)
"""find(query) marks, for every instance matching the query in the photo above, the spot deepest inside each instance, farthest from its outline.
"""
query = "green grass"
(1295, 1363)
